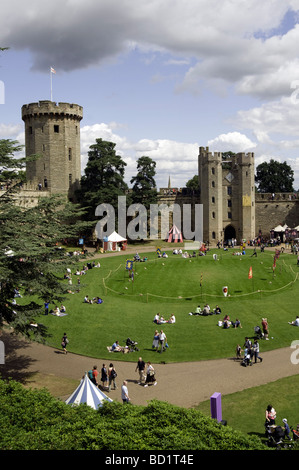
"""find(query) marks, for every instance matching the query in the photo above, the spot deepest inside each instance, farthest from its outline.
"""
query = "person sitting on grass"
(206, 310)
(217, 310)
(116, 347)
(226, 322)
(171, 319)
(295, 322)
(236, 324)
(159, 319)
(56, 311)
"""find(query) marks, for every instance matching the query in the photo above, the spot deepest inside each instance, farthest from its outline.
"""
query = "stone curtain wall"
(270, 212)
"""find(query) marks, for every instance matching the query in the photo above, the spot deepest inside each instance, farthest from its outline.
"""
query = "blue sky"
(160, 78)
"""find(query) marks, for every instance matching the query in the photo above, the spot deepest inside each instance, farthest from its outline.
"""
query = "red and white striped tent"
(175, 235)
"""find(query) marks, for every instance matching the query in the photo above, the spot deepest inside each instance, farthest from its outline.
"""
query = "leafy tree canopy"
(274, 177)
(144, 186)
(193, 183)
(103, 181)
(33, 420)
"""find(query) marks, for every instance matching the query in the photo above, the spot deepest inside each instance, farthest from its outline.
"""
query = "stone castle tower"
(227, 193)
(52, 130)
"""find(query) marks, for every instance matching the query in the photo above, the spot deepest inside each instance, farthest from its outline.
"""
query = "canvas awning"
(175, 235)
(87, 392)
(115, 237)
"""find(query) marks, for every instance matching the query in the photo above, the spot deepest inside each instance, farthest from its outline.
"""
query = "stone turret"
(210, 183)
(52, 131)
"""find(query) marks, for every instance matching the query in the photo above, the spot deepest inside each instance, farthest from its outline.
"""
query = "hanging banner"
(129, 265)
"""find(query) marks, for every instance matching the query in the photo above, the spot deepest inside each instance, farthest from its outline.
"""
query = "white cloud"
(223, 47)
(232, 141)
(239, 49)
(175, 159)
(276, 117)
(12, 131)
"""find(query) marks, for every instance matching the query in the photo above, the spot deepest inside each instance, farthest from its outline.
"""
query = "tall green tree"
(103, 180)
(274, 177)
(144, 189)
(193, 184)
(30, 261)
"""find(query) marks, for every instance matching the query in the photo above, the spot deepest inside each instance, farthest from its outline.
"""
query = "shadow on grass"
(15, 366)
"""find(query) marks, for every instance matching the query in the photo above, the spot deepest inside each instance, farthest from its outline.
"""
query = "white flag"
(53, 70)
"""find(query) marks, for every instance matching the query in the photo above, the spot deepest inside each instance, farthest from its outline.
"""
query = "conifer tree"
(31, 262)
(103, 181)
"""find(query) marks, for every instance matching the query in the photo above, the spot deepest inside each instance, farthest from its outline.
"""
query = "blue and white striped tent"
(88, 393)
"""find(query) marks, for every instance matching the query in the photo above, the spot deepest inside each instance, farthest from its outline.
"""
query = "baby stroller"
(275, 435)
(258, 332)
(295, 433)
(247, 358)
(131, 345)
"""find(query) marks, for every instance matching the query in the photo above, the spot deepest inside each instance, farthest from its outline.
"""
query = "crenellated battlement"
(50, 108)
(52, 131)
(243, 158)
(206, 155)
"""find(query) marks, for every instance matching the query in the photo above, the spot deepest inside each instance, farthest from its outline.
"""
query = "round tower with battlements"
(52, 131)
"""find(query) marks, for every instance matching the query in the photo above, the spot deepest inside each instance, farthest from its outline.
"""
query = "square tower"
(227, 192)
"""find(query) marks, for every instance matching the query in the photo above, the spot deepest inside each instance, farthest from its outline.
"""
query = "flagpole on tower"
(51, 72)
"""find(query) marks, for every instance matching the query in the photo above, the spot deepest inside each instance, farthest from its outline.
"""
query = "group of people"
(278, 432)
(227, 323)
(95, 300)
(56, 311)
(146, 373)
(251, 352)
(206, 310)
(146, 377)
(159, 341)
(107, 378)
(159, 319)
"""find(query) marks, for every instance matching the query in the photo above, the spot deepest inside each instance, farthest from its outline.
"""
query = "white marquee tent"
(115, 242)
(88, 393)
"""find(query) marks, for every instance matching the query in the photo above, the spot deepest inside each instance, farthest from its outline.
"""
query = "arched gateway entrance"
(229, 234)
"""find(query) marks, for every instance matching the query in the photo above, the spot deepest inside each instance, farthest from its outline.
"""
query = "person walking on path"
(124, 392)
(150, 375)
(156, 340)
(162, 341)
(95, 374)
(265, 328)
(64, 342)
(256, 351)
(111, 377)
(141, 368)
(104, 376)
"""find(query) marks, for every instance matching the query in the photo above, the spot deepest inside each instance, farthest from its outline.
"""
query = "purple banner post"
(216, 411)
